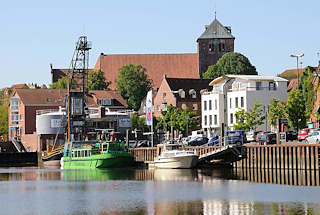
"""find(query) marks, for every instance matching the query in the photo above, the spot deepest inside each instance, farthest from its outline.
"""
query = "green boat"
(95, 154)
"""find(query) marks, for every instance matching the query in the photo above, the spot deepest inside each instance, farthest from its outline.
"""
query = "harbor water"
(141, 191)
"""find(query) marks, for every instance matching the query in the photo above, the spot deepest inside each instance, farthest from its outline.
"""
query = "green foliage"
(62, 83)
(4, 120)
(277, 110)
(230, 63)
(241, 120)
(138, 123)
(133, 84)
(307, 89)
(249, 120)
(178, 119)
(296, 110)
(97, 81)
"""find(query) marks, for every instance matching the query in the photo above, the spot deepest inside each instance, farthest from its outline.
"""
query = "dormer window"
(182, 94)
(272, 86)
(193, 93)
(104, 102)
(48, 99)
(59, 99)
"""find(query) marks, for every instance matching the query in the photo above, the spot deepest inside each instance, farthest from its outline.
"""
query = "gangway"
(18, 145)
(226, 154)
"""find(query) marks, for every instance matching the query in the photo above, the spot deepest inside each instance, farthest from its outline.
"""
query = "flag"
(149, 108)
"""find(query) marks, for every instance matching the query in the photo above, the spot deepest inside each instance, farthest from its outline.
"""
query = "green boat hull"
(105, 160)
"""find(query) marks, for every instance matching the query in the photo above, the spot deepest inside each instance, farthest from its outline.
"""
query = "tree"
(230, 63)
(241, 120)
(307, 88)
(97, 81)
(296, 110)
(133, 84)
(277, 110)
(249, 120)
(62, 83)
(138, 123)
(177, 119)
(4, 120)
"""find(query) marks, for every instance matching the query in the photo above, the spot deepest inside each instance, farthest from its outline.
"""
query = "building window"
(158, 108)
(205, 105)
(215, 104)
(14, 104)
(230, 103)
(182, 94)
(215, 120)
(48, 99)
(242, 102)
(258, 85)
(211, 47)
(59, 99)
(231, 118)
(210, 104)
(237, 102)
(205, 120)
(21, 117)
(272, 86)
(21, 131)
(193, 93)
(14, 117)
(210, 119)
(195, 106)
(183, 106)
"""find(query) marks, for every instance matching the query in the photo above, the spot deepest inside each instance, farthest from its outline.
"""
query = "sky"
(37, 33)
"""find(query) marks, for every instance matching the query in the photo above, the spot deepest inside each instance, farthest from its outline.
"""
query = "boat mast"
(77, 90)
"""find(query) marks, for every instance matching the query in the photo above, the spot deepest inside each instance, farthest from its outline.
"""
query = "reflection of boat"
(97, 174)
(174, 158)
(175, 174)
(95, 154)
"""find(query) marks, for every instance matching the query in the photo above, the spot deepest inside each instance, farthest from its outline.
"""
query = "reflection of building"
(233, 92)
(26, 104)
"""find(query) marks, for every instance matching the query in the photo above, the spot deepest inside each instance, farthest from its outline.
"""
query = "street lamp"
(297, 56)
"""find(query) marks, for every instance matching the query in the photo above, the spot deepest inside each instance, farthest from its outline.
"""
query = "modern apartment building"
(233, 92)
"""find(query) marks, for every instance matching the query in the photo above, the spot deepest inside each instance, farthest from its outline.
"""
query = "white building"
(232, 92)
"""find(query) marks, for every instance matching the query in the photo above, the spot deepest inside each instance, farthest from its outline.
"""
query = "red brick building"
(180, 92)
(24, 104)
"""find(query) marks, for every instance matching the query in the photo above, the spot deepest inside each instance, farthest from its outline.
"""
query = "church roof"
(216, 31)
(157, 65)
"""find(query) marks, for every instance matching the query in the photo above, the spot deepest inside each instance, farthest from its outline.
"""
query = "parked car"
(303, 133)
(214, 140)
(291, 135)
(198, 141)
(314, 138)
(258, 136)
(268, 138)
(236, 137)
(251, 135)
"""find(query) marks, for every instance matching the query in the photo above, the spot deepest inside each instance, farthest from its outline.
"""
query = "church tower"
(215, 41)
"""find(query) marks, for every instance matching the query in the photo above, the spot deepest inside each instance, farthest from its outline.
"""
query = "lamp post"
(297, 56)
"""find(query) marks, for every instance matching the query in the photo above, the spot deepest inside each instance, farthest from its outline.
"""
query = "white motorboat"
(176, 159)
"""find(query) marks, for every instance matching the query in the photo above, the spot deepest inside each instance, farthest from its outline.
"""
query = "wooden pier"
(292, 164)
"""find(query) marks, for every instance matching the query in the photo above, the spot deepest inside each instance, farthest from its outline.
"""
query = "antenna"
(215, 10)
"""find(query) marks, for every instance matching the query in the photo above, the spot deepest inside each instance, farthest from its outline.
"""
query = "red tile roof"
(109, 94)
(292, 85)
(291, 73)
(173, 65)
(56, 97)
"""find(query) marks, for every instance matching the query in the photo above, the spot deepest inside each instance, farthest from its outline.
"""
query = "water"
(138, 191)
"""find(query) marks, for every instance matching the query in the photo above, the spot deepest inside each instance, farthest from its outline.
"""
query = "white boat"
(176, 159)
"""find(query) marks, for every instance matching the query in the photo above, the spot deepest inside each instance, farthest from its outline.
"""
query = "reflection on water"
(140, 191)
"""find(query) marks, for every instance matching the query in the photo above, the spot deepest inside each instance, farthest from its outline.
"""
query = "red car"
(303, 134)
